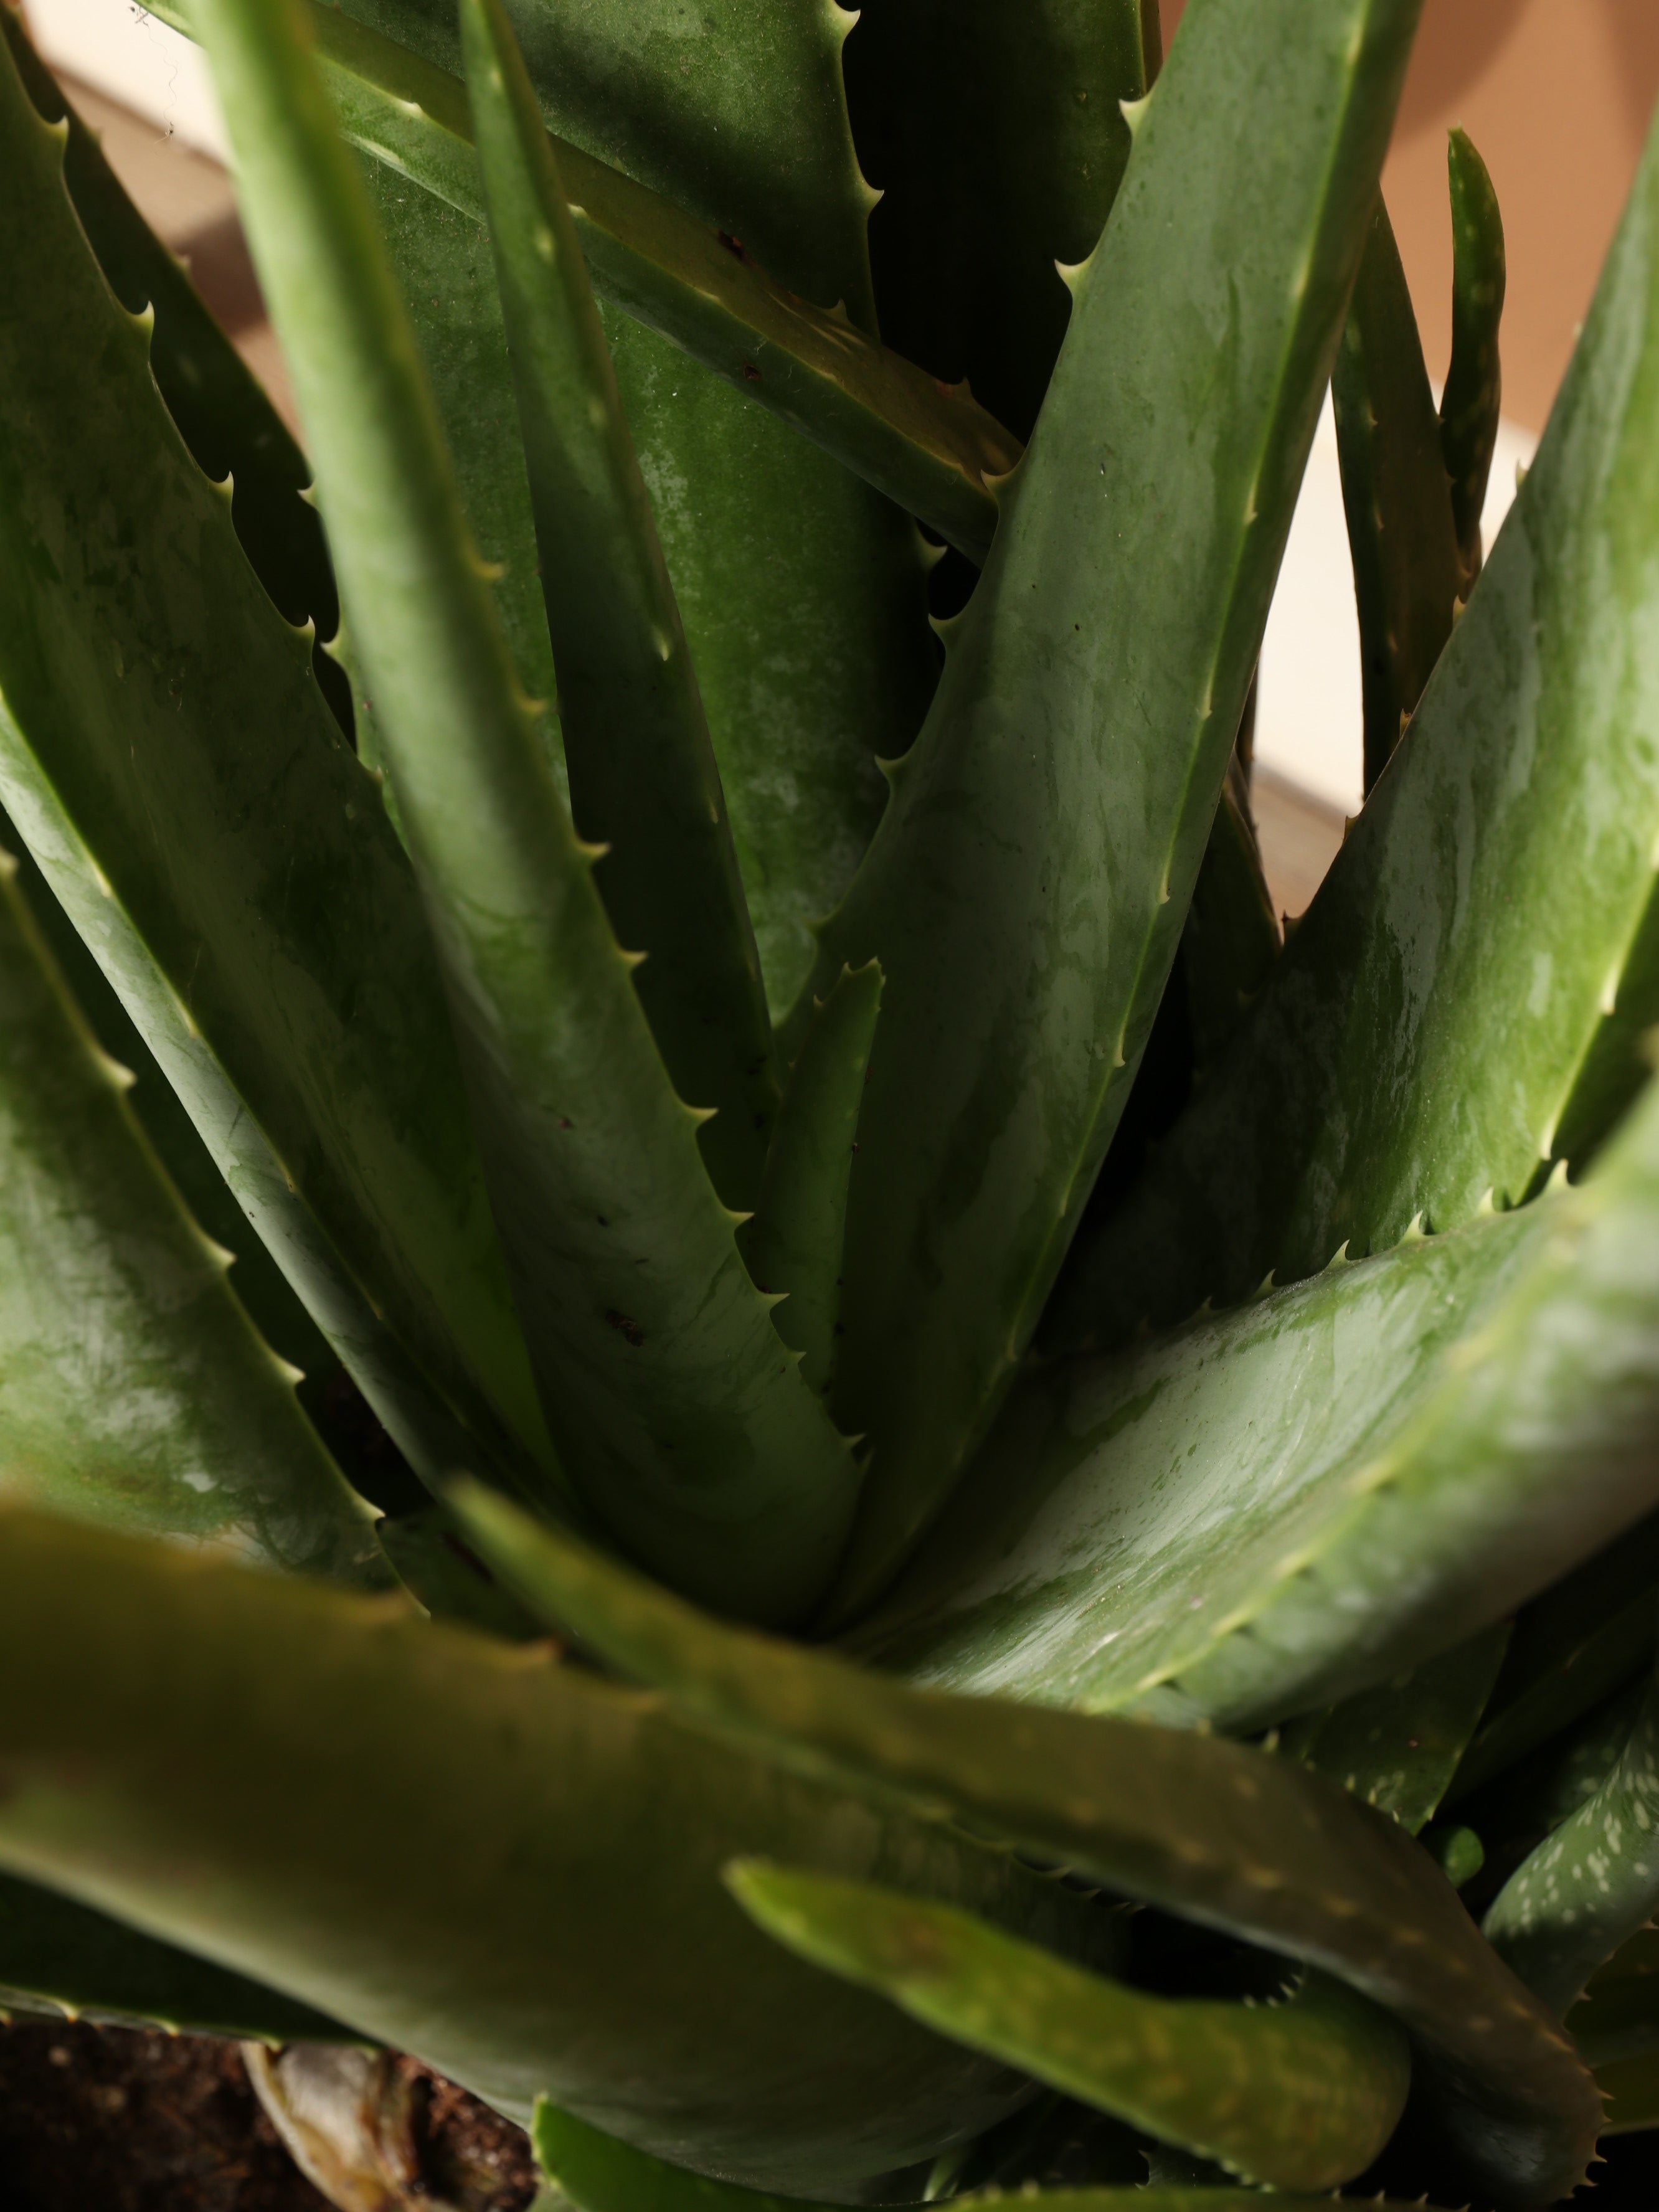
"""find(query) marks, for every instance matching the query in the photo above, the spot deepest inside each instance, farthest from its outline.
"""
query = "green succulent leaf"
(1237, 1840)
(283, 981)
(1301, 2094)
(60, 1957)
(794, 1242)
(1591, 1884)
(1231, 938)
(1407, 566)
(999, 141)
(596, 2173)
(1285, 1503)
(680, 1413)
(1584, 1638)
(1398, 1746)
(133, 1389)
(1472, 404)
(1418, 1045)
(1112, 605)
(643, 781)
(1617, 2015)
(508, 1867)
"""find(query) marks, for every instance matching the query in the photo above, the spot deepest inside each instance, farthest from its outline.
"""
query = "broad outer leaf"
(1422, 1035)
(133, 1389)
(283, 977)
(1290, 1502)
(1302, 2094)
(462, 1849)
(643, 778)
(1408, 569)
(675, 1405)
(1224, 1835)
(595, 2173)
(1026, 891)
(59, 1956)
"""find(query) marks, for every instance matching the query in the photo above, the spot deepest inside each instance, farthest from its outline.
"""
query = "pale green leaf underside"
(1301, 2094)
(285, 982)
(1026, 890)
(1284, 1504)
(597, 2175)
(673, 1402)
(165, 1763)
(134, 1390)
(1418, 1044)
(1224, 1835)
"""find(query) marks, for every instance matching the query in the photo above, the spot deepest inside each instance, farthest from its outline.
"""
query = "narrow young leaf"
(1113, 605)
(133, 1389)
(681, 1415)
(1422, 1037)
(1231, 938)
(282, 976)
(1301, 2094)
(1398, 1746)
(1227, 1835)
(1201, 1527)
(1472, 402)
(1591, 1884)
(1407, 570)
(643, 781)
(508, 1867)
(59, 1956)
(794, 1242)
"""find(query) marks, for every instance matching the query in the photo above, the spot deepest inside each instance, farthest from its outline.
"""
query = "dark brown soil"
(122, 2120)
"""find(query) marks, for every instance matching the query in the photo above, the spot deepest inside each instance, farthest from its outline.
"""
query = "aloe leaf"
(1398, 1746)
(980, 1138)
(643, 781)
(1301, 2094)
(1231, 938)
(284, 979)
(133, 1389)
(59, 1956)
(1472, 401)
(998, 141)
(684, 1422)
(928, 449)
(1592, 1883)
(596, 2173)
(1630, 2091)
(550, 1921)
(1617, 2015)
(1407, 566)
(1227, 1835)
(793, 1245)
(1363, 1095)
(1116, 1545)
(1583, 1638)
(764, 541)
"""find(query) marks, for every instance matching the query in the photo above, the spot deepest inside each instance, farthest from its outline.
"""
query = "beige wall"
(1557, 94)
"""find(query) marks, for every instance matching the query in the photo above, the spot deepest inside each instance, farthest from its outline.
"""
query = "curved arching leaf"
(1291, 1501)
(1228, 1836)
(674, 1402)
(1044, 832)
(1421, 1041)
(1471, 406)
(596, 2173)
(510, 1867)
(1301, 2094)
(283, 980)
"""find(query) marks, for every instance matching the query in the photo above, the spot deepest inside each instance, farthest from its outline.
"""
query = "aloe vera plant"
(883, 1505)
